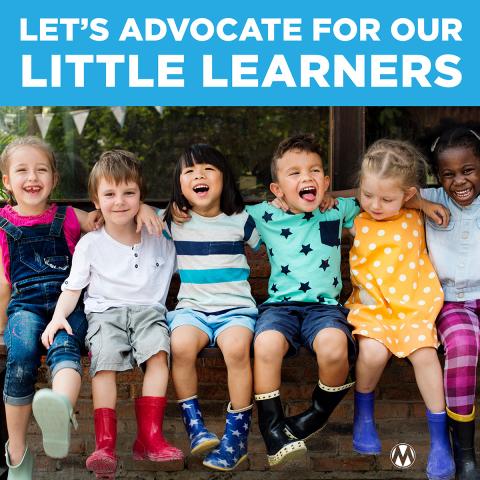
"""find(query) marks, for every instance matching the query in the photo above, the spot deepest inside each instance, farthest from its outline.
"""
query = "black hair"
(231, 200)
(458, 136)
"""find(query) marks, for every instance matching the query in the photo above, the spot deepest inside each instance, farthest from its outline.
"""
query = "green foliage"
(247, 136)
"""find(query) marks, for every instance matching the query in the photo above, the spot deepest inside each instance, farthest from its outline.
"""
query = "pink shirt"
(71, 229)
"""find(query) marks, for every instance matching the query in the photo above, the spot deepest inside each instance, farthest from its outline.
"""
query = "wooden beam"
(347, 145)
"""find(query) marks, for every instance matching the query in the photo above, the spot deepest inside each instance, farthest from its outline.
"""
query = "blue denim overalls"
(39, 263)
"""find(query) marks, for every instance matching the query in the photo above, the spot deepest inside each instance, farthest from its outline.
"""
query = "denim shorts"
(213, 323)
(121, 338)
(29, 312)
(301, 322)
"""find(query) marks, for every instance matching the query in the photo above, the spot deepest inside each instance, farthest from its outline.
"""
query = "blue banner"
(239, 53)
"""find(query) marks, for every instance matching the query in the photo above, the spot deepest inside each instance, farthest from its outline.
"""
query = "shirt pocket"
(477, 221)
(438, 228)
(330, 233)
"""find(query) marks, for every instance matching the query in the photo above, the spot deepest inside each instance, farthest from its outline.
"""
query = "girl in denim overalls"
(36, 242)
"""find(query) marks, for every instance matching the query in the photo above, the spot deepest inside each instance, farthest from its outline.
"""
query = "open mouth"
(464, 194)
(308, 193)
(32, 189)
(201, 189)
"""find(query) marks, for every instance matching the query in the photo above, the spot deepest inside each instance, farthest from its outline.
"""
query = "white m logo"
(402, 455)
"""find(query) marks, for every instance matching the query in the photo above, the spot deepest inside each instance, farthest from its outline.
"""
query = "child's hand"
(279, 203)
(56, 324)
(436, 212)
(94, 220)
(327, 203)
(179, 216)
(147, 216)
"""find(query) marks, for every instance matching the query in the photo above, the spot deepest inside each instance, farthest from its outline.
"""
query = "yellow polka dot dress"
(396, 293)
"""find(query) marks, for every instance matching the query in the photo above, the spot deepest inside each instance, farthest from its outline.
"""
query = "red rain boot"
(150, 443)
(103, 461)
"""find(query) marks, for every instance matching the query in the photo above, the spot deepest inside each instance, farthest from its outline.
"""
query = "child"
(396, 297)
(455, 255)
(303, 246)
(127, 274)
(215, 305)
(36, 242)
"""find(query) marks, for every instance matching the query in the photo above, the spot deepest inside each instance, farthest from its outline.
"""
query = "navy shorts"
(300, 323)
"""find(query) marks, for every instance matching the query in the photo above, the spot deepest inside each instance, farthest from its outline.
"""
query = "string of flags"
(8, 120)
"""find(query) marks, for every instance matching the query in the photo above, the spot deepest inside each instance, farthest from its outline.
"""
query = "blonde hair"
(395, 159)
(117, 166)
(28, 141)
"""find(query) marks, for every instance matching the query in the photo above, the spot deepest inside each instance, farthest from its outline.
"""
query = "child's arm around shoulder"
(4, 296)
(436, 212)
(88, 221)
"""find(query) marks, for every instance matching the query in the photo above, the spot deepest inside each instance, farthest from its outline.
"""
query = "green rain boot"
(24, 469)
(55, 417)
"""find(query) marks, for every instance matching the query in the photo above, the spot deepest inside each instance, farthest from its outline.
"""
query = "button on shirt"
(119, 275)
(454, 249)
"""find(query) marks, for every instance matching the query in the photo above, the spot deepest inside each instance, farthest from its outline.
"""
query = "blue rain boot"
(233, 448)
(201, 440)
(365, 436)
(440, 464)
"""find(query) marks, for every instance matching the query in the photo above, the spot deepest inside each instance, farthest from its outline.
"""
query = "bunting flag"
(119, 113)
(9, 120)
(159, 110)
(80, 117)
(43, 122)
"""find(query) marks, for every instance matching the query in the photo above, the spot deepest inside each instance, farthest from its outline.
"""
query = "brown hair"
(20, 142)
(395, 159)
(303, 142)
(117, 166)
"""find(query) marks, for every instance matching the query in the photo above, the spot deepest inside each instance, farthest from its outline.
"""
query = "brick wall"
(400, 417)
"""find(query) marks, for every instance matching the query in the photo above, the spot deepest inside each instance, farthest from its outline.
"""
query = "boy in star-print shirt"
(303, 246)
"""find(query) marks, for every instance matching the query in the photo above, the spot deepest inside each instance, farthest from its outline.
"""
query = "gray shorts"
(123, 337)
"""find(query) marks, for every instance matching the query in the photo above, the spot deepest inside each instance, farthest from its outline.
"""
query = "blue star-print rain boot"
(440, 464)
(201, 440)
(233, 448)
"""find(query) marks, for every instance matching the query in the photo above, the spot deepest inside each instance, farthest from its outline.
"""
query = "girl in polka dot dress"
(396, 297)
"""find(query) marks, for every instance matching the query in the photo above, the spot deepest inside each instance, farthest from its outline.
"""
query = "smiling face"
(202, 186)
(459, 174)
(301, 182)
(30, 178)
(382, 198)
(119, 203)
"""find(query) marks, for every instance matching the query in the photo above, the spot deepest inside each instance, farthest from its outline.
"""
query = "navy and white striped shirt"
(211, 261)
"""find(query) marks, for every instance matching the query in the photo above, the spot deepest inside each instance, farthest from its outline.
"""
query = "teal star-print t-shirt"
(304, 250)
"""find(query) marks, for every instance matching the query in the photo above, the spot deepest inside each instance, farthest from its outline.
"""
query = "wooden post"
(347, 144)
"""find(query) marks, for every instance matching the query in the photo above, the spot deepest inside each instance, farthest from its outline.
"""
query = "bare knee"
(331, 348)
(270, 347)
(236, 353)
(183, 350)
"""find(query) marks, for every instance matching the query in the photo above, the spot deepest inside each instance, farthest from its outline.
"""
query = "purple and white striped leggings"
(459, 331)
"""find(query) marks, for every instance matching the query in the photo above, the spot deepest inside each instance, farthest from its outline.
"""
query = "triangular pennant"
(43, 122)
(119, 113)
(10, 120)
(159, 110)
(80, 117)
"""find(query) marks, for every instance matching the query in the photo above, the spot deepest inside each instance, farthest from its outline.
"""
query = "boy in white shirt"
(127, 275)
